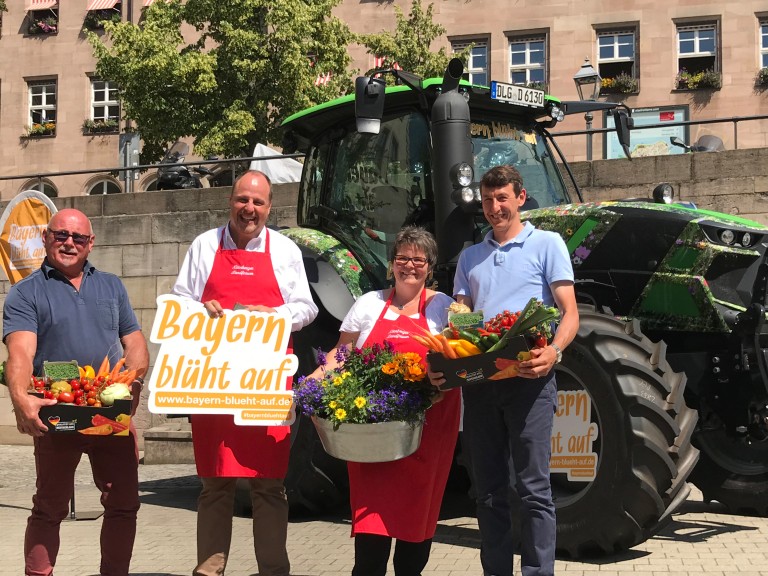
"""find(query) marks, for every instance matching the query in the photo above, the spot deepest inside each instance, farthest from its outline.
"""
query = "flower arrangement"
(42, 129)
(48, 25)
(94, 19)
(620, 84)
(98, 126)
(700, 80)
(762, 77)
(372, 385)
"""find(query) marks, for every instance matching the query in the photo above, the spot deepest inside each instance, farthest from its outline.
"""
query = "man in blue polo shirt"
(68, 310)
(511, 420)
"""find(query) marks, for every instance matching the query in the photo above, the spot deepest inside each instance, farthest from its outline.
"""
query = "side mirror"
(369, 104)
(624, 123)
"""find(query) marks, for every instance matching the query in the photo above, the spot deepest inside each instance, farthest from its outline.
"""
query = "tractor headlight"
(467, 195)
(477, 195)
(727, 236)
(464, 174)
(663, 193)
(746, 240)
(556, 114)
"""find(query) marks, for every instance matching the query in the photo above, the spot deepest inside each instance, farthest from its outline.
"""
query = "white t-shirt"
(367, 309)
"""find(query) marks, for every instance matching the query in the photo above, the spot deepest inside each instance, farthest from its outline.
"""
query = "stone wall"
(143, 237)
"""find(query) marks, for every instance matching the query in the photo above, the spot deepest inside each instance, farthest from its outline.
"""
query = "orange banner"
(21, 233)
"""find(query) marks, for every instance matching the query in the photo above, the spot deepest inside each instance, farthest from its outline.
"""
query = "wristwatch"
(558, 352)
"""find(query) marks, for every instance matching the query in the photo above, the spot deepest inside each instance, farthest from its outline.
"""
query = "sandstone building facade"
(56, 115)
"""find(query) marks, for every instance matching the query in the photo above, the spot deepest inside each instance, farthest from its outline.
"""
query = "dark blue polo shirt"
(82, 325)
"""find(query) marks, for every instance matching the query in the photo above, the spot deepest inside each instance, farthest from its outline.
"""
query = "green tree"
(253, 62)
(2, 6)
(409, 45)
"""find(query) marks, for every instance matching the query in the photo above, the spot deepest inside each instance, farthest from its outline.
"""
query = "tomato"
(47, 394)
(65, 398)
(97, 404)
(78, 394)
(540, 342)
(91, 394)
(75, 385)
(80, 401)
(87, 387)
(90, 401)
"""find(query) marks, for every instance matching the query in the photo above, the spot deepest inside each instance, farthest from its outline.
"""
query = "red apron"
(401, 499)
(223, 449)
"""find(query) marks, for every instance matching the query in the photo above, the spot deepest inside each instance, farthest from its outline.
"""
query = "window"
(105, 108)
(43, 18)
(764, 44)
(42, 108)
(44, 186)
(697, 48)
(527, 58)
(105, 187)
(477, 63)
(616, 53)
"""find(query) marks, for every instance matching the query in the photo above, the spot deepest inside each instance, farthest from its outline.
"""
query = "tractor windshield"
(362, 188)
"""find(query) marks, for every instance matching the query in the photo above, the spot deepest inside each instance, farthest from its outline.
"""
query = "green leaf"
(229, 84)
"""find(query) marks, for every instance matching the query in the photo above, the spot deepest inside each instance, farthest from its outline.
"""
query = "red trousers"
(114, 462)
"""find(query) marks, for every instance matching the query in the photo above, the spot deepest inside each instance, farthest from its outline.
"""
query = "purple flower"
(322, 358)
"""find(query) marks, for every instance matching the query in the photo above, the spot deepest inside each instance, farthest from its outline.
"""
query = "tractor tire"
(732, 471)
(643, 443)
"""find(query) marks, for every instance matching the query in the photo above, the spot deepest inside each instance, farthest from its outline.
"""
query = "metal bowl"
(380, 442)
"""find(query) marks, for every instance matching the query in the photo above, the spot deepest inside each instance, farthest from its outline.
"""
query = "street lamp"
(588, 84)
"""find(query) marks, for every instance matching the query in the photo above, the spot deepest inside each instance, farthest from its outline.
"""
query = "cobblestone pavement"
(701, 540)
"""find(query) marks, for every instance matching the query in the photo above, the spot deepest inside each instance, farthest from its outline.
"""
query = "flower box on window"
(621, 84)
(41, 129)
(538, 85)
(762, 77)
(48, 25)
(95, 19)
(704, 80)
(100, 126)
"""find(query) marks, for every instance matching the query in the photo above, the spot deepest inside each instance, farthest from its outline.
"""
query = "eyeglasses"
(62, 235)
(418, 261)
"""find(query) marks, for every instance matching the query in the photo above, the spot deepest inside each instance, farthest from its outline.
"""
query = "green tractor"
(667, 379)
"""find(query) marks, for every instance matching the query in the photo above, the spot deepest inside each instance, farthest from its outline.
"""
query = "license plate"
(517, 94)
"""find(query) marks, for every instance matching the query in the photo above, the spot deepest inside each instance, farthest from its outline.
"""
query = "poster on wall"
(649, 141)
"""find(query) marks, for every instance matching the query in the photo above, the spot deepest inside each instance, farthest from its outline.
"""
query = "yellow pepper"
(461, 352)
(471, 349)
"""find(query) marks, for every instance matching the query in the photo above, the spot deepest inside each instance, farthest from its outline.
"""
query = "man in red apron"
(244, 263)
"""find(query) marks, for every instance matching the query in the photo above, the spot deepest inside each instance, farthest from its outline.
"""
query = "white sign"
(236, 364)
(517, 94)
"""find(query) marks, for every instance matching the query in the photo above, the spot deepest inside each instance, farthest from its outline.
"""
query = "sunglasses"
(418, 261)
(62, 235)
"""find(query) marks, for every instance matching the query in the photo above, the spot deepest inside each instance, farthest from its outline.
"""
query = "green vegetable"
(114, 392)
(474, 338)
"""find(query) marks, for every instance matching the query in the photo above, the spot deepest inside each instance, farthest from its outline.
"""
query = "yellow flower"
(338, 380)
(332, 404)
(341, 414)
(360, 401)
(415, 373)
(390, 368)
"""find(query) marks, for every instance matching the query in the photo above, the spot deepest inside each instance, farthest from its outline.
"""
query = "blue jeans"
(509, 422)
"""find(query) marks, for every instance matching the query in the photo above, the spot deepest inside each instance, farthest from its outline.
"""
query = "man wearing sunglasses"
(69, 310)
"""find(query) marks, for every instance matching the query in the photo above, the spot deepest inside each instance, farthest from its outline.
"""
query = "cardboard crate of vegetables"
(473, 355)
(94, 402)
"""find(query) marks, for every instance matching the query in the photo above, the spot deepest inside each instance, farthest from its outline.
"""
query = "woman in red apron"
(401, 499)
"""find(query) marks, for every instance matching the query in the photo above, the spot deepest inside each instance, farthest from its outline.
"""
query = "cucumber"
(474, 338)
